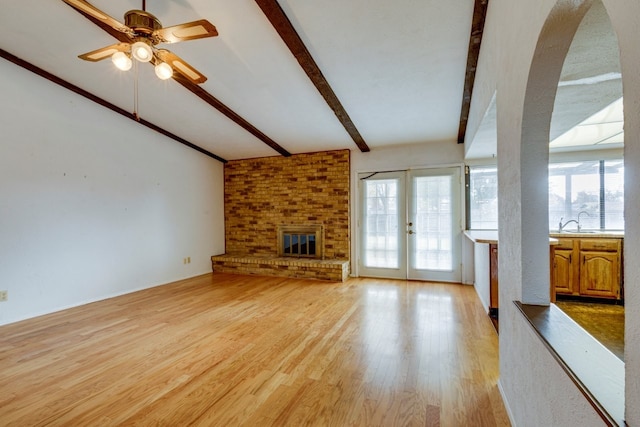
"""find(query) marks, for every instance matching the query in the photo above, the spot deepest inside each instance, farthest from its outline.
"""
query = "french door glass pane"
(433, 223)
(381, 228)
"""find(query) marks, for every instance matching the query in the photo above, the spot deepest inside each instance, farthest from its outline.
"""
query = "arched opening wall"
(530, 49)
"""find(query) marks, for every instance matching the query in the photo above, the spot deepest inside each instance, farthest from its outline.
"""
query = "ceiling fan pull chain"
(135, 91)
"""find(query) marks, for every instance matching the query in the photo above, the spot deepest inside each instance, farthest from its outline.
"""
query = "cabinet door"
(563, 271)
(493, 276)
(600, 274)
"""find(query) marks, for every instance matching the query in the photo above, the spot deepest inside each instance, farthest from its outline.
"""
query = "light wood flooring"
(225, 350)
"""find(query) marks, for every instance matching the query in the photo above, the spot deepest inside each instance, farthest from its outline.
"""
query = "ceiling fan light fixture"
(163, 71)
(122, 61)
(141, 51)
(139, 36)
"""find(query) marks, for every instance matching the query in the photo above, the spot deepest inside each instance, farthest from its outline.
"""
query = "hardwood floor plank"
(233, 350)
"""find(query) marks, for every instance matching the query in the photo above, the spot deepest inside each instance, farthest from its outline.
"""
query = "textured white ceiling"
(397, 67)
(590, 81)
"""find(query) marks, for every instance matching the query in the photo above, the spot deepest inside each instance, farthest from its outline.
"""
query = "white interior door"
(410, 225)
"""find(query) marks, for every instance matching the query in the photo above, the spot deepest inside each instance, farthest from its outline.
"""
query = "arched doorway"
(524, 212)
(586, 182)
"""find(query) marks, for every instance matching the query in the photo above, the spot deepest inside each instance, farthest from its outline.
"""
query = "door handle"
(410, 232)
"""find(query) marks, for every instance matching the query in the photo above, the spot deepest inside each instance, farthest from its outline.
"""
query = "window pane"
(614, 194)
(574, 189)
(433, 227)
(584, 190)
(483, 198)
(557, 193)
(381, 224)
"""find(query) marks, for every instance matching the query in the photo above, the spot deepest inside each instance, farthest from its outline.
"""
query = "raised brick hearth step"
(334, 270)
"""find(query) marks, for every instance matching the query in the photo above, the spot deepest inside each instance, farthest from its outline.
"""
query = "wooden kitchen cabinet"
(600, 268)
(563, 270)
(588, 267)
(493, 279)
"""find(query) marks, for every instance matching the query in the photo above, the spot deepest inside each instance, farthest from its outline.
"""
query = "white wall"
(482, 273)
(536, 390)
(484, 87)
(93, 205)
(429, 154)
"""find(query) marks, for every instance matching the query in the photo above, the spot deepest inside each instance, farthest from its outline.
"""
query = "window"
(591, 191)
(482, 198)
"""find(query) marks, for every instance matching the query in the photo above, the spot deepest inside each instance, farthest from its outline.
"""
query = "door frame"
(356, 241)
(457, 224)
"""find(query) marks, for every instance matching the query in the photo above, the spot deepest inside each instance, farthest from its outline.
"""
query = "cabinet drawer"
(564, 244)
(599, 245)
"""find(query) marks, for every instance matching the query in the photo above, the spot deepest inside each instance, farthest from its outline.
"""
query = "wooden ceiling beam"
(477, 28)
(201, 93)
(73, 88)
(289, 35)
(218, 105)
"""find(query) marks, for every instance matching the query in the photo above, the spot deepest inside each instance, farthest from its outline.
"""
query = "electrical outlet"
(189, 260)
(4, 295)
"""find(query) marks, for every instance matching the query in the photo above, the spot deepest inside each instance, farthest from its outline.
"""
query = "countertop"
(588, 234)
(491, 236)
(482, 236)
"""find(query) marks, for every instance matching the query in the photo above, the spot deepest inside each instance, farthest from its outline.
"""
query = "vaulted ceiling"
(587, 113)
(284, 77)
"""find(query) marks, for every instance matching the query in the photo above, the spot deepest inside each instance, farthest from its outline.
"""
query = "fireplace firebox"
(301, 241)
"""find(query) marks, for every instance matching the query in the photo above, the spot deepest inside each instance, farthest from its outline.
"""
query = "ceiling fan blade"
(187, 31)
(96, 13)
(105, 52)
(182, 67)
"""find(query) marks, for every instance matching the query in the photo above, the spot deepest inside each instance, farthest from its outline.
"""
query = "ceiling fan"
(144, 32)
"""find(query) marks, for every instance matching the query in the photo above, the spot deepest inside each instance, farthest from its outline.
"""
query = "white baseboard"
(506, 404)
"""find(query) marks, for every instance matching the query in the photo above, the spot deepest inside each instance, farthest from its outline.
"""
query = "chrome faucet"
(562, 226)
(581, 212)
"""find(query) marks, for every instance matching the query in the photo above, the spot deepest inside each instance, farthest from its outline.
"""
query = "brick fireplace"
(306, 194)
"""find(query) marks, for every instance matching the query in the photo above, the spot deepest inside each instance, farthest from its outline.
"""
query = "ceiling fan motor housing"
(141, 22)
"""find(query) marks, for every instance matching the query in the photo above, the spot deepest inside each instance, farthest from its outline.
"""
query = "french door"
(410, 224)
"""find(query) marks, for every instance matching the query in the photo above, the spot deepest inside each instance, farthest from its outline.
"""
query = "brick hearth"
(334, 270)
